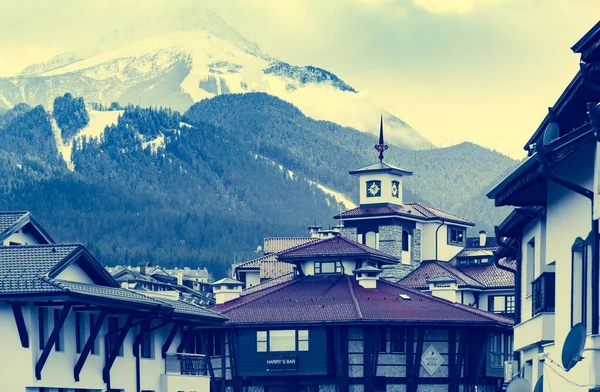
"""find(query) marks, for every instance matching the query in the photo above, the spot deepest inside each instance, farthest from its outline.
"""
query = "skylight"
(404, 296)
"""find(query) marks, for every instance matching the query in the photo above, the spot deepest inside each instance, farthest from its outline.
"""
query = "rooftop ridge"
(62, 245)
(353, 296)
(275, 254)
(450, 269)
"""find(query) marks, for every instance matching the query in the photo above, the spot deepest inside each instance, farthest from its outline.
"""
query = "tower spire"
(381, 147)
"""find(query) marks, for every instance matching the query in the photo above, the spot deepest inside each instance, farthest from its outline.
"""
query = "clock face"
(395, 186)
(373, 188)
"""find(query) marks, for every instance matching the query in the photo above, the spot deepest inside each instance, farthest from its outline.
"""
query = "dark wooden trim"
(211, 371)
(186, 335)
(21, 326)
(89, 344)
(110, 358)
(39, 366)
(595, 278)
(223, 364)
(138, 338)
(453, 371)
(165, 348)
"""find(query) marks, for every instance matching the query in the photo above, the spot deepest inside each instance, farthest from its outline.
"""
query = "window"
(463, 262)
(11, 243)
(329, 267)
(58, 344)
(113, 335)
(371, 239)
(530, 276)
(501, 303)
(95, 347)
(79, 332)
(405, 241)
(396, 189)
(261, 341)
(497, 350)
(578, 282)
(146, 346)
(456, 235)
(395, 337)
(284, 340)
(42, 327)
(303, 340)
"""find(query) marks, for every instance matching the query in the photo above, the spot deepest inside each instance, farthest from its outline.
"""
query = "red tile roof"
(479, 276)
(277, 244)
(336, 246)
(431, 269)
(334, 298)
(416, 211)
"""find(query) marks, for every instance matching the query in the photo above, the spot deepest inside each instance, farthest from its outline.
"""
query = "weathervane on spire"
(381, 147)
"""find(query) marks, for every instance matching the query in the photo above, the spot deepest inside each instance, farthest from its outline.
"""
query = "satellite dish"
(518, 385)
(539, 385)
(573, 346)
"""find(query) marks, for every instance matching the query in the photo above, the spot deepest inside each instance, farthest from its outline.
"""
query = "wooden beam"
(20, 321)
(89, 344)
(138, 338)
(410, 358)
(110, 359)
(170, 338)
(186, 335)
(39, 366)
(453, 374)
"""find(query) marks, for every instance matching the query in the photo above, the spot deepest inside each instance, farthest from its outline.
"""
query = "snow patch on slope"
(337, 196)
(155, 144)
(93, 130)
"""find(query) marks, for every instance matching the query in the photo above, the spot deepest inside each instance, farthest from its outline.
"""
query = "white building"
(67, 325)
(554, 236)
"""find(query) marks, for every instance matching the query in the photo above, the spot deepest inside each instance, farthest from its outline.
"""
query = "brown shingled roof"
(334, 298)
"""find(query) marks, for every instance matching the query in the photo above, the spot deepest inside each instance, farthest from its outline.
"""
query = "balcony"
(185, 372)
(543, 294)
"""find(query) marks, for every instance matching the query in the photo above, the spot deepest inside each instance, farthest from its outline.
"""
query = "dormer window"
(328, 267)
(456, 236)
(373, 188)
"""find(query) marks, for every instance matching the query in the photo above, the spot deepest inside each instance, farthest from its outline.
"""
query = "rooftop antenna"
(381, 147)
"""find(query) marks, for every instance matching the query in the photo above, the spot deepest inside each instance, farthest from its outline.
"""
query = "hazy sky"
(478, 70)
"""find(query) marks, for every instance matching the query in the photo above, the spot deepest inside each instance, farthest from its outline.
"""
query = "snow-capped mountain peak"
(189, 56)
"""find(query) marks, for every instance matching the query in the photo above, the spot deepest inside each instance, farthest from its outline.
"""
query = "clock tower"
(380, 183)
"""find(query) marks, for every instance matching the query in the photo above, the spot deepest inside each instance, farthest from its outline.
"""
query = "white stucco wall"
(386, 188)
(58, 372)
(568, 216)
(445, 251)
(20, 238)
(74, 273)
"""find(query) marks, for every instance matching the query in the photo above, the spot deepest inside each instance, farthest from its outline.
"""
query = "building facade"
(67, 325)
(553, 233)
(337, 326)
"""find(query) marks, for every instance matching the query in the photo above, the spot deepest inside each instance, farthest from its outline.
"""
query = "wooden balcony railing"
(543, 293)
(186, 364)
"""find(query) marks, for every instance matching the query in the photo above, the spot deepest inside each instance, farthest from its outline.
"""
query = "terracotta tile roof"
(476, 276)
(336, 246)
(26, 269)
(431, 269)
(270, 283)
(417, 211)
(10, 218)
(269, 265)
(339, 298)
(22, 266)
(278, 244)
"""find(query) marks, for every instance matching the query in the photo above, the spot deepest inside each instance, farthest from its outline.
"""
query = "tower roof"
(381, 167)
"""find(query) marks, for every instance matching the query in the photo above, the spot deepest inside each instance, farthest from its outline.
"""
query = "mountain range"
(205, 187)
(181, 59)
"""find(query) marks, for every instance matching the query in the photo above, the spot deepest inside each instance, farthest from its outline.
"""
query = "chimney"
(443, 287)
(337, 228)
(482, 237)
(227, 289)
(314, 231)
(180, 278)
(367, 276)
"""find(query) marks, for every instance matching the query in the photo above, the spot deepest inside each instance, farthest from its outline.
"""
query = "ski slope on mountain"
(190, 57)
